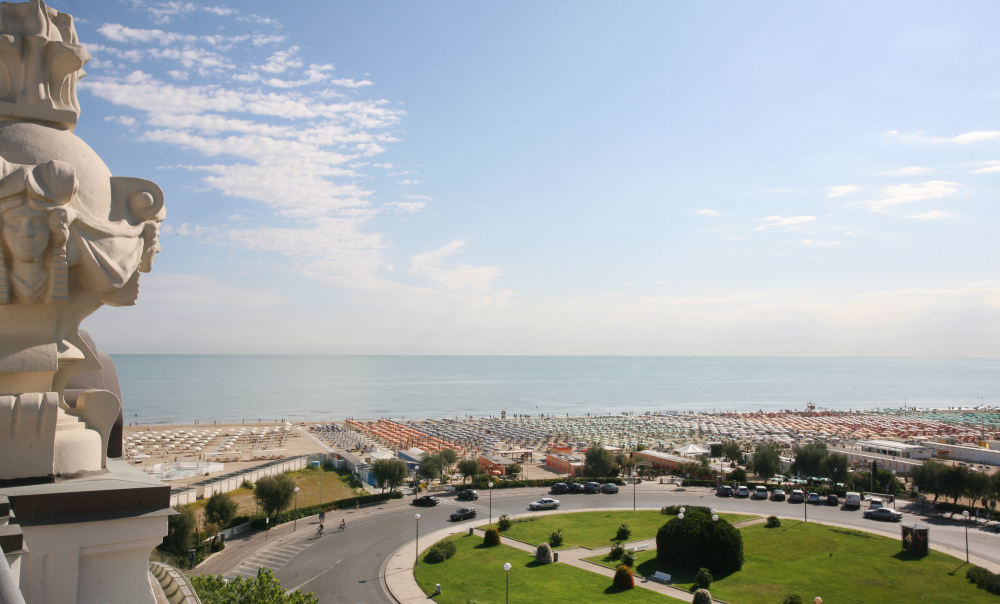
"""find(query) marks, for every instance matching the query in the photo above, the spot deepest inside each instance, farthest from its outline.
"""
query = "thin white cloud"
(408, 207)
(821, 243)
(907, 171)
(282, 60)
(707, 212)
(202, 289)
(962, 139)
(473, 279)
(987, 167)
(779, 221)
(842, 190)
(932, 215)
(906, 193)
(411, 182)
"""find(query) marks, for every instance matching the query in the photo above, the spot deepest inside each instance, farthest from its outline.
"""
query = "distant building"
(660, 461)
(565, 464)
(494, 464)
(894, 448)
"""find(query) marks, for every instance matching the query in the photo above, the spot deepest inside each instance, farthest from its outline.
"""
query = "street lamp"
(715, 516)
(267, 525)
(680, 515)
(417, 518)
(506, 568)
(490, 485)
(295, 521)
(965, 514)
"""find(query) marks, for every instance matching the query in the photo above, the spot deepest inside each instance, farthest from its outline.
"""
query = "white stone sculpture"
(72, 238)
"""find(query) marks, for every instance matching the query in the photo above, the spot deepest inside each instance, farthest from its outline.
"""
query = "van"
(853, 500)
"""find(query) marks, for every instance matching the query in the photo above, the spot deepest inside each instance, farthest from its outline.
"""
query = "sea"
(181, 389)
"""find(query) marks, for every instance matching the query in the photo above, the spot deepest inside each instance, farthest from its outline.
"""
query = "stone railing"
(174, 584)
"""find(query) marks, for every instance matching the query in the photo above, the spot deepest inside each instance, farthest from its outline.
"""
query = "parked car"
(884, 514)
(544, 503)
(760, 493)
(797, 496)
(832, 499)
(875, 503)
(592, 487)
(467, 495)
(560, 487)
(575, 487)
(724, 491)
(814, 498)
(742, 491)
(853, 500)
(777, 495)
(427, 500)
(463, 514)
(609, 487)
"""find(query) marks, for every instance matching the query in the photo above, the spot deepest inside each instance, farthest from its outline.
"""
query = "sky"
(571, 178)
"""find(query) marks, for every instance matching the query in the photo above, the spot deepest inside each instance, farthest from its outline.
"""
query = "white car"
(742, 491)
(760, 493)
(544, 504)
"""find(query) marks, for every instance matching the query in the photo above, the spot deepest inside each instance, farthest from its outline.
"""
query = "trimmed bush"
(696, 541)
(984, 579)
(492, 537)
(624, 532)
(556, 538)
(792, 599)
(543, 555)
(504, 522)
(773, 522)
(617, 551)
(703, 579)
(702, 597)
(441, 552)
(628, 559)
(671, 510)
(623, 578)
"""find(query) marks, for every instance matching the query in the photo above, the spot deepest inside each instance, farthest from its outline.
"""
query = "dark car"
(463, 514)
(725, 491)
(575, 487)
(427, 500)
(832, 499)
(609, 488)
(777, 495)
(560, 487)
(468, 495)
(592, 487)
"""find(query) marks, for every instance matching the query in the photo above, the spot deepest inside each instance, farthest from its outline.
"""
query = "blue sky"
(555, 178)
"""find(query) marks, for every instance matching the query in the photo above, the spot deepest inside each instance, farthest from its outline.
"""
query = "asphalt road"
(346, 567)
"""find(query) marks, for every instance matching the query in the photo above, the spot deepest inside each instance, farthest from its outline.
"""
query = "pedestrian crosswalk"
(273, 557)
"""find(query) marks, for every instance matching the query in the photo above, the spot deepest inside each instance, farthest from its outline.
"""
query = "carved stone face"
(26, 232)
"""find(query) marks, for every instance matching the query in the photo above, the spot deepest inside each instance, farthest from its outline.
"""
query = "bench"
(639, 548)
(661, 577)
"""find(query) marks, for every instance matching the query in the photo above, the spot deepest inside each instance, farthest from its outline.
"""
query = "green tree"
(766, 461)
(737, 475)
(448, 458)
(731, 451)
(837, 467)
(431, 466)
(952, 482)
(810, 460)
(978, 487)
(274, 493)
(704, 465)
(924, 477)
(264, 589)
(180, 532)
(598, 461)
(513, 469)
(220, 510)
(469, 468)
(625, 462)
(389, 473)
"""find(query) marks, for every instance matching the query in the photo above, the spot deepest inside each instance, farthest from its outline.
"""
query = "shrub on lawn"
(543, 555)
(628, 559)
(617, 550)
(696, 541)
(504, 523)
(441, 552)
(773, 522)
(556, 538)
(702, 597)
(247, 485)
(792, 599)
(984, 579)
(703, 579)
(624, 532)
(492, 537)
(623, 578)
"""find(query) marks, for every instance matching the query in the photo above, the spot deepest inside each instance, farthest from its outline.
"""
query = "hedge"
(984, 579)
(303, 512)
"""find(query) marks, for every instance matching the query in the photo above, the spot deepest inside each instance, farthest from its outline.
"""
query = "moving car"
(544, 503)
(609, 488)
(742, 491)
(884, 514)
(560, 487)
(468, 495)
(724, 491)
(592, 487)
(427, 500)
(814, 498)
(575, 487)
(777, 495)
(463, 514)
(832, 499)
(797, 495)
(760, 493)
(853, 500)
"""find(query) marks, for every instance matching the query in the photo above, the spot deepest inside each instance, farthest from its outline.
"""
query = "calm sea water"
(183, 388)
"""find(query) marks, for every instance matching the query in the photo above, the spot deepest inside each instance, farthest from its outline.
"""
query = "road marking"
(273, 558)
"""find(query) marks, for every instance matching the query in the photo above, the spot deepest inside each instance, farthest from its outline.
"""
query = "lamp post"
(715, 516)
(506, 568)
(965, 514)
(267, 525)
(490, 485)
(295, 521)
(417, 518)
(680, 514)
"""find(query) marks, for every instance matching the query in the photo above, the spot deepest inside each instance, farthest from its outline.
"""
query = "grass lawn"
(595, 529)
(475, 574)
(844, 567)
(308, 481)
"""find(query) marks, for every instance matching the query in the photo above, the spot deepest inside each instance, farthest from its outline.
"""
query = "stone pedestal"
(90, 537)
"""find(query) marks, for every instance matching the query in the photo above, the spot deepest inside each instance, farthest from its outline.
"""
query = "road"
(346, 567)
